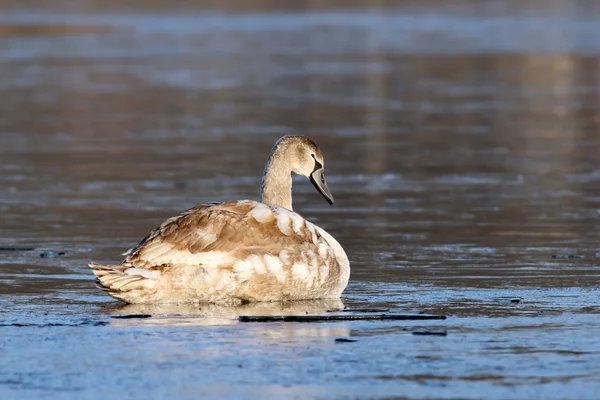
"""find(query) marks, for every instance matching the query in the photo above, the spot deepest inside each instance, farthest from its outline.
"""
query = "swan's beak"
(318, 180)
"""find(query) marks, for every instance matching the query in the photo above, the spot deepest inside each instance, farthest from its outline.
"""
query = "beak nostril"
(317, 178)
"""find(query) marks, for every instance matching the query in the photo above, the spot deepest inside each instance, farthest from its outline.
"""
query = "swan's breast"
(297, 251)
(302, 268)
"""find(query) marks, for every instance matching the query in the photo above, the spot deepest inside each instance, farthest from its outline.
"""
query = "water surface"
(461, 144)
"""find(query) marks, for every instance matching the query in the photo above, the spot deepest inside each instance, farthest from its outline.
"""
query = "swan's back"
(238, 250)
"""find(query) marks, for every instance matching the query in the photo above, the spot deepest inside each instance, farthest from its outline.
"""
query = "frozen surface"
(462, 148)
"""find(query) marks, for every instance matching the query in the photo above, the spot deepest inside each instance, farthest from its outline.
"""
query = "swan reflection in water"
(221, 314)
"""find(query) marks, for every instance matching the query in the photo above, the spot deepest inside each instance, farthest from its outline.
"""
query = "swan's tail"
(123, 283)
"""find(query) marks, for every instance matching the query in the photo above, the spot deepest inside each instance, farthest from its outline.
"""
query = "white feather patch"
(285, 256)
(207, 237)
(260, 213)
(324, 271)
(257, 263)
(313, 233)
(297, 223)
(275, 267)
(323, 249)
(283, 221)
(143, 272)
(243, 270)
(300, 271)
(128, 252)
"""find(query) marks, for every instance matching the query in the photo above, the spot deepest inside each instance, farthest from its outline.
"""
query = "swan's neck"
(276, 187)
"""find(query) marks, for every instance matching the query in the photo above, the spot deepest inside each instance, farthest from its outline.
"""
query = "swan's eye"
(318, 165)
(322, 178)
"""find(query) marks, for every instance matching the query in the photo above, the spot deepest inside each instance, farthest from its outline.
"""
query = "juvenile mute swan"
(238, 250)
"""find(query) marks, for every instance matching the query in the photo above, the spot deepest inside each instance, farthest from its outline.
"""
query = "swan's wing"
(227, 234)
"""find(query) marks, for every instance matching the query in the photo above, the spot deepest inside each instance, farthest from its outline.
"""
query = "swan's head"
(306, 159)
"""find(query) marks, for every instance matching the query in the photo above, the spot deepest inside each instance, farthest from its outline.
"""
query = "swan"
(238, 251)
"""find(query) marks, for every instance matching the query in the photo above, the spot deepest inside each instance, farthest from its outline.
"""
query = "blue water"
(461, 147)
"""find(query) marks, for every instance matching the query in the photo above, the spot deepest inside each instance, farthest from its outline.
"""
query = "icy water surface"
(462, 146)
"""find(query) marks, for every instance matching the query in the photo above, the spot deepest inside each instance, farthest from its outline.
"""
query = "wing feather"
(227, 231)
